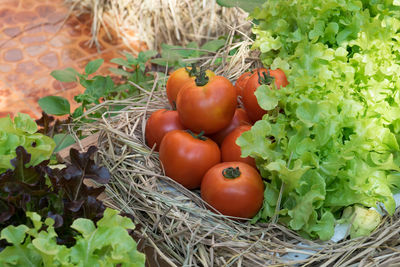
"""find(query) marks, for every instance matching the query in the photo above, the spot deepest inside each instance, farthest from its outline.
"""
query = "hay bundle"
(160, 21)
(178, 224)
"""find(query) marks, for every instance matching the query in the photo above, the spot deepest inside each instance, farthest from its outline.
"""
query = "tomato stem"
(193, 71)
(231, 173)
(199, 136)
(201, 78)
(266, 78)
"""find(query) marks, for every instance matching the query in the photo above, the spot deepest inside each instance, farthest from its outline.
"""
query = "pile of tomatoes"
(197, 139)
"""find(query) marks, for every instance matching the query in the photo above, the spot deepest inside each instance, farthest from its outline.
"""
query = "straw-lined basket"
(179, 225)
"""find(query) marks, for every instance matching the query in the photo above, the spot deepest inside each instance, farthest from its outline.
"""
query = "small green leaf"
(66, 75)
(99, 86)
(35, 218)
(291, 176)
(213, 45)
(246, 5)
(62, 141)
(84, 99)
(25, 123)
(123, 87)
(122, 62)
(325, 227)
(266, 97)
(14, 235)
(84, 226)
(131, 59)
(78, 112)
(146, 55)
(111, 218)
(93, 66)
(120, 72)
(45, 247)
(54, 105)
(160, 61)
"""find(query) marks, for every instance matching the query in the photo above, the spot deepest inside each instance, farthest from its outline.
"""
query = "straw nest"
(178, 224)
(160, 21)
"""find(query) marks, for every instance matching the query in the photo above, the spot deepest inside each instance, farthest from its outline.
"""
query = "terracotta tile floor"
(37, 37)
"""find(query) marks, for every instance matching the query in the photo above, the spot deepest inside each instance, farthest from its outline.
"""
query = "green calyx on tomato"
(201, 78)
(231, 173)
(266, 78)
(199, 136)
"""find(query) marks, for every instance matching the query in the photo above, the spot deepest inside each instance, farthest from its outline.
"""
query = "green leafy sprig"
(105, 244)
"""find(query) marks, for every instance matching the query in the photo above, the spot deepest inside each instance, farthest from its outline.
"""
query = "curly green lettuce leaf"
(22, 132)
(107, 244)
(335, 142)
(362, 221)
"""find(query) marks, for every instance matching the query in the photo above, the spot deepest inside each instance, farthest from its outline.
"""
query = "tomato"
(159, 123)
(178, 79)
(234, 189)
(186, 157)
(230, 151)
(249, 100)
(207, 105)
(241, 82)
(239, 118)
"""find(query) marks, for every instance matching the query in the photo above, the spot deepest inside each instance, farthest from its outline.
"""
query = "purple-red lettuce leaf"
(60, 194)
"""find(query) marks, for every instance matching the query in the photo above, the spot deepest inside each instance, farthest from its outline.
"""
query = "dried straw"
(160, 21)
(180, 226)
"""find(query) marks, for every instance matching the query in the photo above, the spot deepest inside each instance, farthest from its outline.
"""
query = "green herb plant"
(107, 244)
(134, 70)
(100, 88)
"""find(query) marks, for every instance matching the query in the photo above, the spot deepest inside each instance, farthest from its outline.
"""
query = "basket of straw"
(178, 225)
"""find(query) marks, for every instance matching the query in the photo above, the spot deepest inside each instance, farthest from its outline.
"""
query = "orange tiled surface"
(37, 37)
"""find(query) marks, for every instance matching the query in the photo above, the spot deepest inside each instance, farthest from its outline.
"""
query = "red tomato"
(178, 79)
(241, 82)
(186, 157)
(207, 105)
(234, 189)
(249, 100)
(159, 123)
(230, 151)
(239, 118)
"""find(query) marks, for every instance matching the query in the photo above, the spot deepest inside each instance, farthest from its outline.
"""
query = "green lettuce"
(336, 141)
(22, 132)
(362, 220)
(108, 244)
